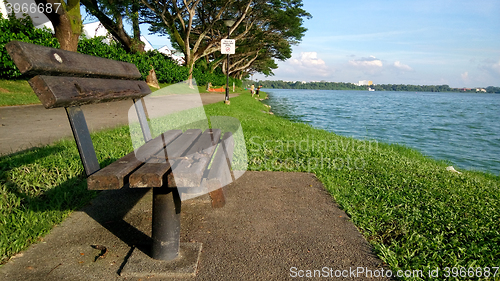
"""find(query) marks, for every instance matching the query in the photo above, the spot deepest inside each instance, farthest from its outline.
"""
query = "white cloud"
(401, 66)
(308, 59)
(307, 66)
(367, 65)
(371, 62)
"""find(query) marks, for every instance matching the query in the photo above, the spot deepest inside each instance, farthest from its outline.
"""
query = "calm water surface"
(460, 127)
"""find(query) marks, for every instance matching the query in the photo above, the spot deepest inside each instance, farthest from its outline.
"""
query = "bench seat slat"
(189, 172)
(58, 91)
(116, 175)
(151, 174)
(113, 176)
(34, 59)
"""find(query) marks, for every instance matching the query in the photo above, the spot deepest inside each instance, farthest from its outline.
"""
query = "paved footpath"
(23, 127)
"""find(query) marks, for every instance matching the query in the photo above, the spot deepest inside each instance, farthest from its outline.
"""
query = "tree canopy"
(264, 30)
(112, 13)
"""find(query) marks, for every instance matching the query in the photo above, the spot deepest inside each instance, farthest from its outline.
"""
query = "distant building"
(147, 45)
(365, 83)
(96, 29)
(177, 58)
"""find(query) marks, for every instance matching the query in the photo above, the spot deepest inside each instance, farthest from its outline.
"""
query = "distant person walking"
(252, 89)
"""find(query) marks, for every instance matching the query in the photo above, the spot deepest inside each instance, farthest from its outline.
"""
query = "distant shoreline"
(377, 87)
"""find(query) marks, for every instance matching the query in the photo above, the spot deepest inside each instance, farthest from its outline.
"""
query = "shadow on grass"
(28, 156)
(29, 212)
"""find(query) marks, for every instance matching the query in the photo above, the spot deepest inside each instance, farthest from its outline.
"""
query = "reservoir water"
(463, 128)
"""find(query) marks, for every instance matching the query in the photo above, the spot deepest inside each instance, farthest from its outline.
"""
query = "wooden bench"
(69, 80)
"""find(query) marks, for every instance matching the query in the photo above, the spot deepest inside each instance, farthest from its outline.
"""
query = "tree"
(195, 26)
(190, 30)
(66, 19)
(111, 15)
(262, 45)
(278, 25)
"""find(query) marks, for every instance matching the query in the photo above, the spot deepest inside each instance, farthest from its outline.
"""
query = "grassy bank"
(16, 92)
(417, 215)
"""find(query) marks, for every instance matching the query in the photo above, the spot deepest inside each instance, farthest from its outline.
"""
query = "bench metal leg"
(166, 223)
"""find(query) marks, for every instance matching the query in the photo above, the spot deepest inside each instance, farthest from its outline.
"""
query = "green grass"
(417, 215)
(16, 92)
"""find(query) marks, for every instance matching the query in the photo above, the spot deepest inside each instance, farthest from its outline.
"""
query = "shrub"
(20, 30)
(167, 71)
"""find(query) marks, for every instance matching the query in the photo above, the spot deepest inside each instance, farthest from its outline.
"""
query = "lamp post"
(228, 23)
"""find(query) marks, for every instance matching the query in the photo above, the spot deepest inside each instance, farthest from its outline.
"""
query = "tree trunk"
(190, 63)
(67, 22)
(190, 78)
(64, 34)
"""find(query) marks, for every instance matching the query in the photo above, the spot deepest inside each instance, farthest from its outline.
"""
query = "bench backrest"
(68, 79)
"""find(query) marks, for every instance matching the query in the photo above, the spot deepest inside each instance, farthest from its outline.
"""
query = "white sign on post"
(227, 46)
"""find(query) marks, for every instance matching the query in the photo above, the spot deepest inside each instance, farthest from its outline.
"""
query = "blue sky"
(429, 42)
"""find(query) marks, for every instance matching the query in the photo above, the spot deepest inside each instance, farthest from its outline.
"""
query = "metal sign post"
(227, 47)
